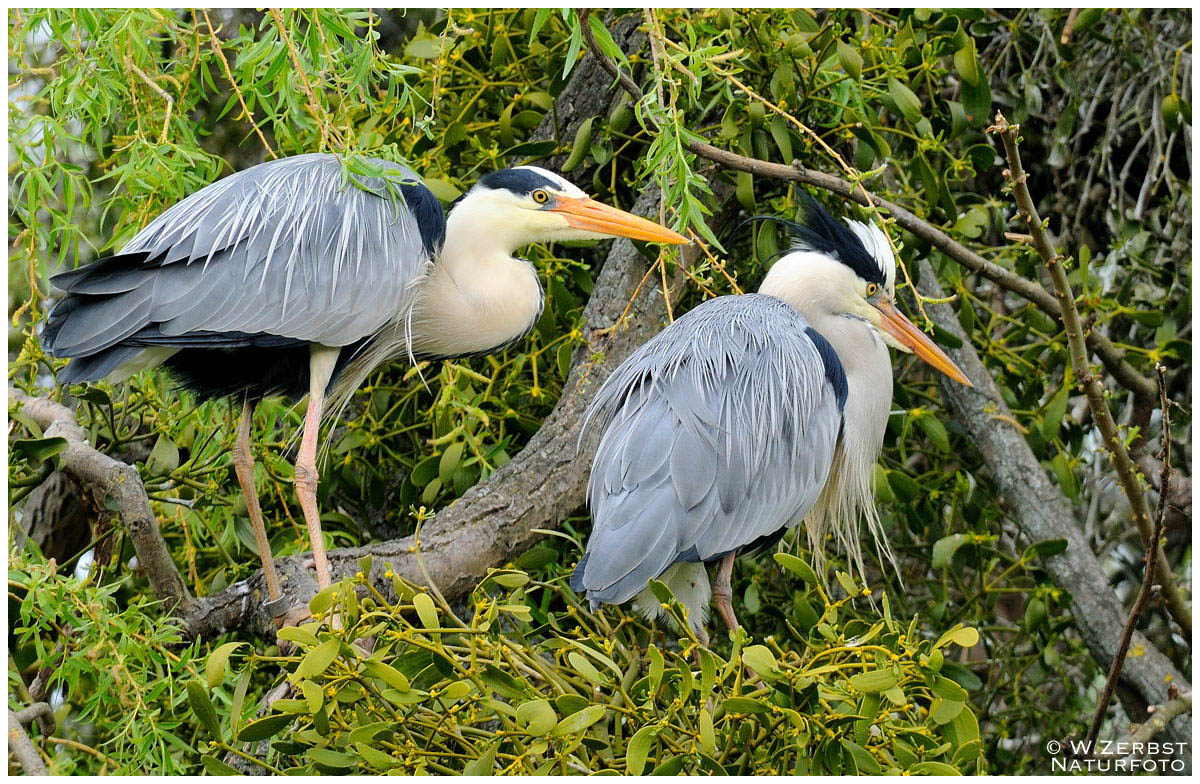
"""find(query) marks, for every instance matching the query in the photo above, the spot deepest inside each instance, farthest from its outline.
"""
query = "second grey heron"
(746, 416)
(286, 279)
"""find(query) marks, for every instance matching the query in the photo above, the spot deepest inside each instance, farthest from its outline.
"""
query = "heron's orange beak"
(907, 333)
(591, 215)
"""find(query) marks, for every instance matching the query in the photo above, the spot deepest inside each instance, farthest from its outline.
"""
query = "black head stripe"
(819, 231)
(520, 181)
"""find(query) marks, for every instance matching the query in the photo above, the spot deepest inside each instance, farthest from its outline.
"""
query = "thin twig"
(1153, 555)
(314, 106)
(166, 96)
(220, 53)
(1092, 385)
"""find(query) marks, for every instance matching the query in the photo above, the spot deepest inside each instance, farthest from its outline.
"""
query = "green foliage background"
(117, 114)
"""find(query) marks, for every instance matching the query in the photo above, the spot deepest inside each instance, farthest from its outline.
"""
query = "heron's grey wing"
(718, 433)
(287, 248)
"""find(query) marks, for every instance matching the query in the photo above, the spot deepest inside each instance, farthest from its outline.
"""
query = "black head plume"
(818, 231)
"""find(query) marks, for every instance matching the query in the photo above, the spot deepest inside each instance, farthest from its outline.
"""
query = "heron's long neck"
(849, 495)
(477, 296)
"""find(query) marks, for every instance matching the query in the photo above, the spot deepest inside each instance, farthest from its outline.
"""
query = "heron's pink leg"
(722, 592)
(320, 369)
(243, 465)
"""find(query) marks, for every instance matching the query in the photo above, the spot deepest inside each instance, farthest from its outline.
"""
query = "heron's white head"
(527, 204)
(837, 270)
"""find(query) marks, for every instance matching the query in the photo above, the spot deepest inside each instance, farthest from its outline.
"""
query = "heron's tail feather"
(689, 584)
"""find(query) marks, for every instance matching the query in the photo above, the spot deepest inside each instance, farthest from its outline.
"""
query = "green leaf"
(708, 736)
(945, 548)
(298, 635)
(744, 705)
(214, 665)
(203, 708)
(585, 668)
(965, 637)
(1056, 410)
(423, 47)
(905, 99)
(943, 711)
(386, 673)
(322, 601)
(536, 717)
(266, 727)
(579, 149)
(639, 749)
(1046, 548)
(318, 659)
(214, 766)
(376, 758)
(578, 722)
(935, 431)
(798, 567)
(863, 760)
(931, 768)
(445, 192)
(486, 763)
(966, 62)
(330, 758)
(164, 457)
(39, 450)
(426, 610)
(874, 680)
(760, 659)
(850, 59)
(314, 695)
(977, 100)
(948, 689)
(450, 460)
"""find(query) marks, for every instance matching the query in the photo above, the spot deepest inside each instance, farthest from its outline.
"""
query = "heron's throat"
(476, 297)
(848, 498)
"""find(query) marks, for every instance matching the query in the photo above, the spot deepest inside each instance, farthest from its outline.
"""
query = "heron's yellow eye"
(872, 289)
(540, 196)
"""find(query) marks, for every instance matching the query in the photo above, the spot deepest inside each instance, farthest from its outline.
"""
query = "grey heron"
(746, 416)
(286, 279)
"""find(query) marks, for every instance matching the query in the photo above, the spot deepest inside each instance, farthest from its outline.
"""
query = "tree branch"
(1042, 512)
(1110, 355)
(1153, 555)
(119, 482)
(1092, 385)
(18, 739)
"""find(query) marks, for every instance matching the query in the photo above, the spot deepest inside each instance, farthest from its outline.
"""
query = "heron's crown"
(863, 247)
(523, 180)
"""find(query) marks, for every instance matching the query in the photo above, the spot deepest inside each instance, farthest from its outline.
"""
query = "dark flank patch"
(273, 368)
(834, 372)
(520, 181)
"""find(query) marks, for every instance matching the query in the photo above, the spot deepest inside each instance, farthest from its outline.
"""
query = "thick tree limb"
(493, 521)
(1127, 473)
(18, 739)
(1042, 512)
(119, 482)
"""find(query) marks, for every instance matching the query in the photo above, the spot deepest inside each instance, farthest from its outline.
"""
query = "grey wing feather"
(719, 431)
(286, 248)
